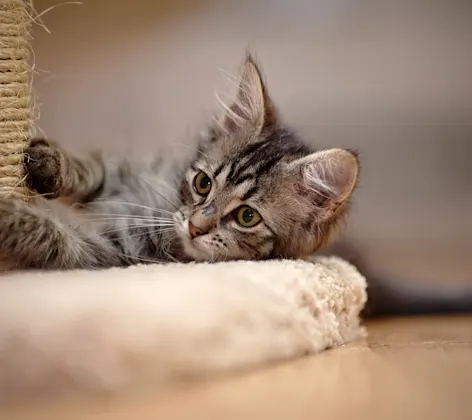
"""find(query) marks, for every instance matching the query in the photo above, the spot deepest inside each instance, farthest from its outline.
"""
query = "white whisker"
(142, 259)
(135, 205)
(169, 256)
(131, 222)
(164, 228)
(158, 193)
(129, 216)
(124, 219)
(147, 232)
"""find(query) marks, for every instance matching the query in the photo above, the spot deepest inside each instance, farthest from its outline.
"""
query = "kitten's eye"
(247, 216)
(202, 183)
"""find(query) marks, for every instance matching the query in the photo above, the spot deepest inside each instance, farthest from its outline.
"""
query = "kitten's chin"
(195, 253)
(191, 249)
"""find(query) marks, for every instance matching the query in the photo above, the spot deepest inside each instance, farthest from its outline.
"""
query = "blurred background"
(392, 79)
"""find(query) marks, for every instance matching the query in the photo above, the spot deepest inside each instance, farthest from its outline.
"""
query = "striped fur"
(126, 212)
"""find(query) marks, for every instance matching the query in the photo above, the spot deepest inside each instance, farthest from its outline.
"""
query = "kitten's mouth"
(195, 249)
(192, 247)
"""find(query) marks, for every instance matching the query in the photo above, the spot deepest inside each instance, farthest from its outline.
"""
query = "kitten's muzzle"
(201, 222)
(195, 231)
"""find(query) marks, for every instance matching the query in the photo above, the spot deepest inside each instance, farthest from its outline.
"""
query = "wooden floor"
(407, 369)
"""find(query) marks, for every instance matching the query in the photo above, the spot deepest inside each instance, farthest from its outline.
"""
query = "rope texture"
(15, 95)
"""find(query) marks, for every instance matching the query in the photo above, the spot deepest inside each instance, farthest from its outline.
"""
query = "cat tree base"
(120, 329)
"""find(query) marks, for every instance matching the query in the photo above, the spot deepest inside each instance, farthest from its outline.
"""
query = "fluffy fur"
(132, 212)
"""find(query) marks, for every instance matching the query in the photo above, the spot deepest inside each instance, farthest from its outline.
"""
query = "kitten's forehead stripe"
(231, 169)
(251, 149)
(219, 169)
(259, 158)
(243, 178)
(247, 159)
(267, 166)
(250, 193)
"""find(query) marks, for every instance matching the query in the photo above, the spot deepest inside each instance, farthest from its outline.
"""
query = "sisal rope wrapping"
(15, 95)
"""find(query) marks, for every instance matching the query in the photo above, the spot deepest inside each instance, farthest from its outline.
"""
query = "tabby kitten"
(253, 190)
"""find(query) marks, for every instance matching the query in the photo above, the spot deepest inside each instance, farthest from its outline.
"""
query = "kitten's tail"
(396, 297)
(388, 297)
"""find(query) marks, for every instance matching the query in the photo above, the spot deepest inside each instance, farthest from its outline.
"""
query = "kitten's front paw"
(44, 164)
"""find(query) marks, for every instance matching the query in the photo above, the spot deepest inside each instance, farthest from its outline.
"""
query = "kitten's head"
(256, 190)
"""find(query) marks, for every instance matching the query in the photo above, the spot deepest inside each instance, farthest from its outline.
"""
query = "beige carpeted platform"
(122, 329)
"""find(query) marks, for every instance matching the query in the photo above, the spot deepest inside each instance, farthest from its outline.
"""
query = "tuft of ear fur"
(326, 179)
(252, 110)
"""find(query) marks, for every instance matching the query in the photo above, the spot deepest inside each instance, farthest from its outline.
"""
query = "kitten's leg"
(54, 173)
(32, 237)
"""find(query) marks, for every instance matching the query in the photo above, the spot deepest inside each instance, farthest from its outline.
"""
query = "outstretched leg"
(54, 173)
(33, 238)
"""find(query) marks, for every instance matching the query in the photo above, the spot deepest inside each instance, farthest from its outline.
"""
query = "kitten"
(253, 190)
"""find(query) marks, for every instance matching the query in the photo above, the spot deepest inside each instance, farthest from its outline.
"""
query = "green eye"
(202, 183)
(247, 216)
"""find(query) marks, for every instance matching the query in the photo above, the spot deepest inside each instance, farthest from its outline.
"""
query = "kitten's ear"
(253, 109)
(325, 179)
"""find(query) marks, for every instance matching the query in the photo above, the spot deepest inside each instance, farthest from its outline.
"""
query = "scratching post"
(15, 94)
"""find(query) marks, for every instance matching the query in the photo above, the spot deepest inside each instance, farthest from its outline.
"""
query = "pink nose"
(194, 231)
